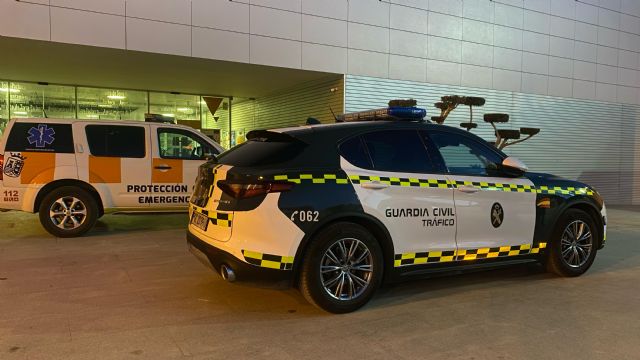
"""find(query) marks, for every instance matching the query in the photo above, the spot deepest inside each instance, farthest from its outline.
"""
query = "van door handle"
(163, 167)
(374, 185)
(468, 189)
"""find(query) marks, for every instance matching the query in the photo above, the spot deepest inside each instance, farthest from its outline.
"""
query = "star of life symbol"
(497, 215)
(14, 165)
(41, 136)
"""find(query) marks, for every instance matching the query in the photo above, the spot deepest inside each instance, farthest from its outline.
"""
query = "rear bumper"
(214, 258)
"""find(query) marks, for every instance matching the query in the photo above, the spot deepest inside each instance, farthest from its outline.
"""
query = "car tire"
(326, 265)
(68, 211)
(574, 244)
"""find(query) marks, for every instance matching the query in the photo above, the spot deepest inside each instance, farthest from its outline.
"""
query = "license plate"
(199, 220)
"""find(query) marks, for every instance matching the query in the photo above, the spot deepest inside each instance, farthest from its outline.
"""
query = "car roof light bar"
(401, 113)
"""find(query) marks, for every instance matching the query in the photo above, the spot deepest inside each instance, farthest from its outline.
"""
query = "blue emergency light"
(389, 113)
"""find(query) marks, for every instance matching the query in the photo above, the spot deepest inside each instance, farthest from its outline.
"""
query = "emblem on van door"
(497, 215)
(14, 165)
(41, 136)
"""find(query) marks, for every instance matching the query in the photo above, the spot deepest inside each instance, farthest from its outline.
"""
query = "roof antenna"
(334, 114)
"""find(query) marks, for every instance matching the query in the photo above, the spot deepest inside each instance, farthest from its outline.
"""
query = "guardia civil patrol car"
(339, 209)
(72, 172)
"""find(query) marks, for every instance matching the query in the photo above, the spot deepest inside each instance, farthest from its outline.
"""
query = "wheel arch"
(68, 182)
(373, 225)
(591, 210)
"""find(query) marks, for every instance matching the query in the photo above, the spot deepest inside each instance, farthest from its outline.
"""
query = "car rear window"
(42, 137)
(116, 141)
(257, 153)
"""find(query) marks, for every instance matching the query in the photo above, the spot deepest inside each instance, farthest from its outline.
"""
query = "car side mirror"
(513, 164)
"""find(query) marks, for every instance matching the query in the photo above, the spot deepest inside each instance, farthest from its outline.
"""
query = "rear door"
(398, 184)
(177, 154)
(116, 160)
(495, 212)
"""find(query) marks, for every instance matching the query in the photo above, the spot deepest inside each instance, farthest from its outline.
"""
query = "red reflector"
(1, 166)
(247, 190)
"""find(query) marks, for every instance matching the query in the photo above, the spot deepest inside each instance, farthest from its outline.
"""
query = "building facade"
(569, 67)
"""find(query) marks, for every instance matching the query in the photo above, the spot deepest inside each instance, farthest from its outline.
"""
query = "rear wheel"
(574, 244)
(68, 211)
(342, 268)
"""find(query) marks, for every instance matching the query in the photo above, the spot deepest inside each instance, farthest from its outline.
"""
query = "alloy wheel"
(346, 269)
(68, 213)
(576, 243)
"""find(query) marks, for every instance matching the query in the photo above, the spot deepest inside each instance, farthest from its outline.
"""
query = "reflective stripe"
(216, 218)
(433, 183)
(268, 260)
(465, 254)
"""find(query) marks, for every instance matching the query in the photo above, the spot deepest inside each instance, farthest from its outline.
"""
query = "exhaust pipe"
(227, 273)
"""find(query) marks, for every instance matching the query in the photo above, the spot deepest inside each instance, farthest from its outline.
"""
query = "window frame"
(145, 147)
(192, 134)
(481, 144)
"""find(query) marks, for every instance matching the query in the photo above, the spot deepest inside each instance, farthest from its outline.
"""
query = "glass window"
(185, 109)
(354, 151)
(465, 156)
(262, 152)
(41, 137)
(398, 151)
(109, 104)
(181, 144)
(30, 100)
(4, 105)
(116, 141)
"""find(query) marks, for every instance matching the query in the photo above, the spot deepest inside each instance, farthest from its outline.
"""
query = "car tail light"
(246, 190)
(1, 166)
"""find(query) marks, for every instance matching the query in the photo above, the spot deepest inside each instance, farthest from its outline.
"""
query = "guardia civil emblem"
(14, 165)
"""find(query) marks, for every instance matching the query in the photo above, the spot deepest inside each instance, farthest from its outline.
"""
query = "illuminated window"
(215, 119)
(4, 105)
(177, 106)
(30, 100)
(109, 104)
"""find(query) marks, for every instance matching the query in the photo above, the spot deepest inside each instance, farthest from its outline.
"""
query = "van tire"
(68, 211)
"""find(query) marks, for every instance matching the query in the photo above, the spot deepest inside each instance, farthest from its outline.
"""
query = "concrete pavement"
(131, 290)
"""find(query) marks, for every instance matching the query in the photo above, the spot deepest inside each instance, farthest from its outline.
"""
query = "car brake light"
(1, 166)
(247, 190)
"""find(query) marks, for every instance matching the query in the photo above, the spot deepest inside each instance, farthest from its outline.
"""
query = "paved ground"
(131, 290)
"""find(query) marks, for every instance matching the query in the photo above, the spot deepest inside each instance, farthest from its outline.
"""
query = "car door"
(495, 212)
(177, 154)
(116, 160)
(397, 183)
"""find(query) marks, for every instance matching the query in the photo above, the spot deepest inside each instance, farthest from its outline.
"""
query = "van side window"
(116, 141)
(181, 144)
(43, 137)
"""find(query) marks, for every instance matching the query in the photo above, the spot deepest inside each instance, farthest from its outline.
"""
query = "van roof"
(93, 121)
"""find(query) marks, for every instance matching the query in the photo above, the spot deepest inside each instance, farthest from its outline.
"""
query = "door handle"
(163, 167)
(374, 185)
(468, 189)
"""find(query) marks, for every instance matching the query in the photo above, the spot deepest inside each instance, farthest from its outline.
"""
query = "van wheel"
(574, 244)
(342, 268)
(68, 211)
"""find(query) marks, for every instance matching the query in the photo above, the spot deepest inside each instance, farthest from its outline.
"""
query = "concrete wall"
(582, 49)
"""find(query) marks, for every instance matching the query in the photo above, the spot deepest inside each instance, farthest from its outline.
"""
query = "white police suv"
(340, 209)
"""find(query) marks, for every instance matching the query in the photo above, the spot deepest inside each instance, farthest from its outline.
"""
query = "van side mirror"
(513, 164)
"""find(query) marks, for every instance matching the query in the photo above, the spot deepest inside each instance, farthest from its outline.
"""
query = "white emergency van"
(74, 171)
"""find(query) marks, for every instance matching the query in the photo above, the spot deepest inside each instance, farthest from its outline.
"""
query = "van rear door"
(116, 160)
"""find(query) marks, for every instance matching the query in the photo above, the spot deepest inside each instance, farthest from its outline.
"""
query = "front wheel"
(68, 211)
(574, 244)
(342, 268)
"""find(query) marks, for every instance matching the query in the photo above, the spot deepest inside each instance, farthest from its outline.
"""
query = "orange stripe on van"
(105, 170)
(39, 167)
(171, 176)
